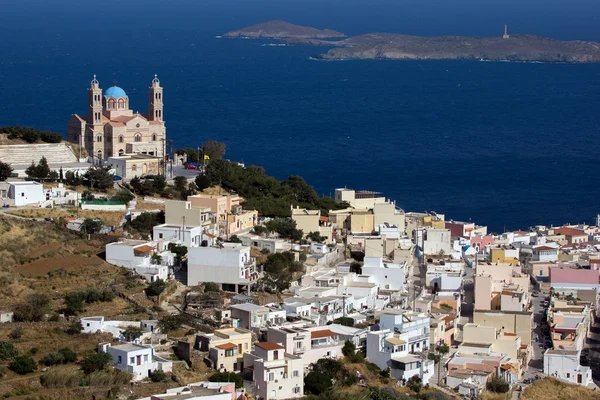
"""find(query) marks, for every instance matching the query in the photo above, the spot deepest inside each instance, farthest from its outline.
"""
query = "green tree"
(179, 251)
(99, 178)
(158, 375)
(23, 364)
(497, 385)
(146, 221)
(95, 362)
(75, 328)
(316, 237)
(346, 321)
(234, 239)
(73, 303)
(5, 170)
(356, 267)
(52, 359)
(217, 171)
(285, 227)
(349, 349)
(259, 230)
(68, 355)
(213, 149)
(159, 182)
(73, 178)
(316, 383)
(123, 195)
(39, 171)
(415, 383)
(90, 225)
(7, 351)
(131, 333)
(210, 287)
(170, 323)
(227, 377)
(279, 269)
(180, 185)
(156, 288)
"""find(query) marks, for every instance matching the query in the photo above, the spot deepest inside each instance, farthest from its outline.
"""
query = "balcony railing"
(299, 350)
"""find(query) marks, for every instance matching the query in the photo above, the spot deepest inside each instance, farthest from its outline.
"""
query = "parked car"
(534, 294)
(190, 166)
(117, 178)
(48, 219)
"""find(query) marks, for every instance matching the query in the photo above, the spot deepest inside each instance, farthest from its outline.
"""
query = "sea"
(508, 145)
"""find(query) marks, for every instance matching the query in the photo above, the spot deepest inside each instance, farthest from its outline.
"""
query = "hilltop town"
(134, 271)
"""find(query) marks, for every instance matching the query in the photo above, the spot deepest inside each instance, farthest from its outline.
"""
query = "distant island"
(392, 46)
(283, 30)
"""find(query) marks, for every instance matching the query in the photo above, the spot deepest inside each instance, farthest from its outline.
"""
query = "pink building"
(479, 242)
(564, 278)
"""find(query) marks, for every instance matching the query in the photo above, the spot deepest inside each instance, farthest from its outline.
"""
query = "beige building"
(358, 199)
(517, 322)
(226, 347)
(492, 280)
(129, 166)
(501, 342)
(231, 217)
(110, 128)
(182, 213)
(365, 220)
(311, 221)
(241, 220)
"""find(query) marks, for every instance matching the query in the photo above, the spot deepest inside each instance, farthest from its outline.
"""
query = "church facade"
(110, 128)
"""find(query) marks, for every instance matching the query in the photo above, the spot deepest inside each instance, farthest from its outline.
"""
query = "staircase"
(181, 274)
(24, 154)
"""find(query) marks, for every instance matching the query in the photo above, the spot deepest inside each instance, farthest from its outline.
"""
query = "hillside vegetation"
(553, 389)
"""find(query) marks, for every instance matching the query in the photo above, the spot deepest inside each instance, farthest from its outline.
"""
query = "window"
(154, 138)
(145, 357)
(132, 360)
(138, 137)
(296, 374)
(134, 167)
(22, 194)
(568, 375)
(160, 235)
(271, 376)
(119, 359)
(328, 354)
(88, 324)
(296, 389)
(98, 138)
(121, 139)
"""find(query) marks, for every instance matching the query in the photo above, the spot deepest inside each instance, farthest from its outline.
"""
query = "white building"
(199, 391)
(564, 364)
(387, 349)
(250, 316)
(116, 328)
(24, 193)
(309, 343)
(188, 236)
(387, 275)
(545, 253)
(261, 243)
(229, 266)
(149, 259)
(436, 241)
(276, 374)
(415, 326)
(136, 359)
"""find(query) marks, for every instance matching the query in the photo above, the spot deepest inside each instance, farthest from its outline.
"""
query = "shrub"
(16, 333)
(23, 364)
(95, 362)
(211, 287)
(33, 309)
(131, 333)
(346, 321)
(227, 377)
(7, 351)
(415, 384)
(52, 359)
(158, 375)
(68, 355)
(34, 351)
(497, 385)
(75, 328)
(316, 383)
(156, 288)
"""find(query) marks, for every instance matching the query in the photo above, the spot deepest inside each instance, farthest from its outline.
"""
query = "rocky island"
(283, 30)
(392, 46)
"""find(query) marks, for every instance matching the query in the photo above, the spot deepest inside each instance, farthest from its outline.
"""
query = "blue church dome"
(115, 92)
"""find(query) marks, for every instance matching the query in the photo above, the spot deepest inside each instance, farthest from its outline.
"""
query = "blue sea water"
(503, 144)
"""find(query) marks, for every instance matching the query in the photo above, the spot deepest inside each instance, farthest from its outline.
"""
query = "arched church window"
(154, 138)
(111, 104)
(120, 138)
(100, 154)
(121, 103)
(121, 152)
(98, 138)
(138, 137)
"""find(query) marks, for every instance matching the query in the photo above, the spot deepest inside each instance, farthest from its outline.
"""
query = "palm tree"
(437, 356)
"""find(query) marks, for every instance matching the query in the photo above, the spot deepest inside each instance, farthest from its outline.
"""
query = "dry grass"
(487, 395)
(553, 389)
(215, 190)
(108, 217)
(144, 205)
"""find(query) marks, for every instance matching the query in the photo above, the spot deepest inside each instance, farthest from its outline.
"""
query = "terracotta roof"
(509, 334)
(505, 367)
(210, 235)
(156, 122)
(321, 334)
(569, 232)
(524, 346)
(144, 248)
(520, 233)
(114, 123)
(79, 118)
(545, 248)
(448, 318)
(323, 219)
(227, 346)
(269, 346)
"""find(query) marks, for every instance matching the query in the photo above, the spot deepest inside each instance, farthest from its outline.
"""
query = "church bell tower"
(95, 102)
(155, 104)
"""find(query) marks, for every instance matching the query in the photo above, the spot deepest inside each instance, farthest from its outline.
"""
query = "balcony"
(299, 350)
(324, 344)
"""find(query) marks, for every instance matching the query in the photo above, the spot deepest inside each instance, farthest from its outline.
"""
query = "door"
(139, 360)
(239, 349)
(578, 378)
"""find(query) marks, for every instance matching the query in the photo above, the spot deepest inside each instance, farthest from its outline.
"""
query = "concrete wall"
(515, 322)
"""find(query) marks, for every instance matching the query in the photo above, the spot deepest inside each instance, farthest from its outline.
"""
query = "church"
(111, 128)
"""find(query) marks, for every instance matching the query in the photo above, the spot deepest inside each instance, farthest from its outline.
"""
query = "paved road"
(467, 304)
(536, 364)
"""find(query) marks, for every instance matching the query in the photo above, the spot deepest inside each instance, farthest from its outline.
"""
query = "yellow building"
(311, 221)
(226, 347)
(241, 220)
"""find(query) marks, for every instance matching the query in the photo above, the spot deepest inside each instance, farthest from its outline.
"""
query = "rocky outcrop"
(283, 30)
